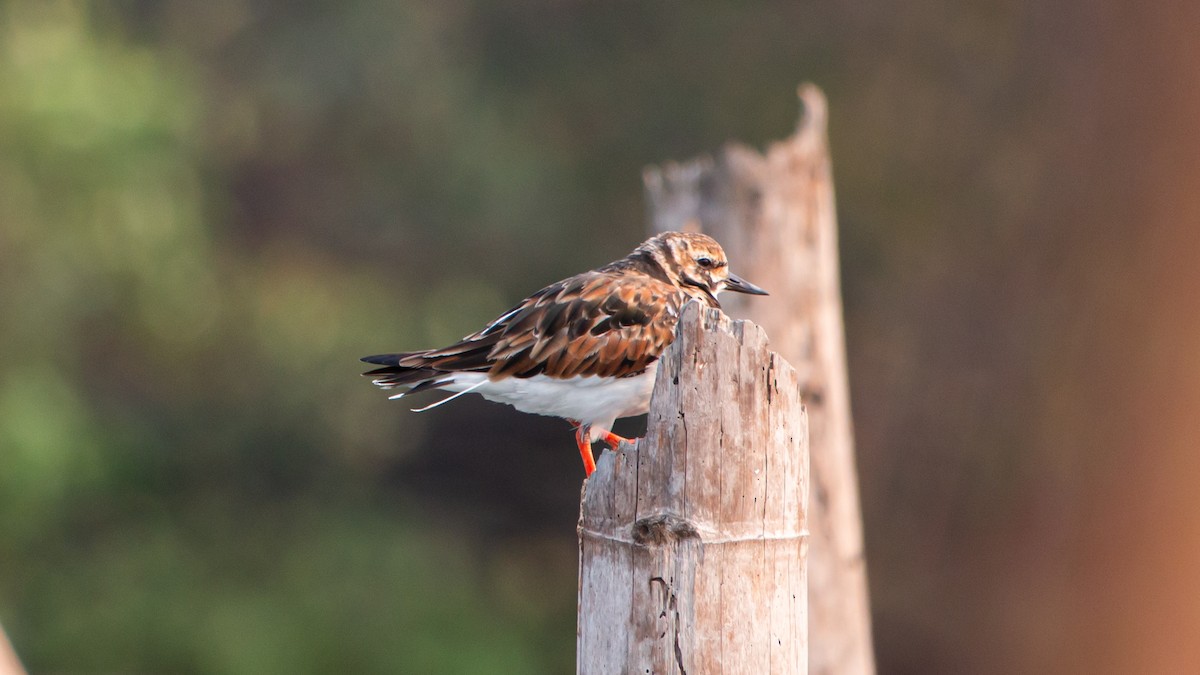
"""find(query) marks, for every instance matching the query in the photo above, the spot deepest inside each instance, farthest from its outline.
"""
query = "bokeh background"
(209, 210)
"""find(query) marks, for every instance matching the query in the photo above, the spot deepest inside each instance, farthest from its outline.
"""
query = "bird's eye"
(704, 262)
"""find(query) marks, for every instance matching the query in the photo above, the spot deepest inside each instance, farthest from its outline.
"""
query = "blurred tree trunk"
(775, 217)
(692, 542)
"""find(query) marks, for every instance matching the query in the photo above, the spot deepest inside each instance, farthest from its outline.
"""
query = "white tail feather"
(431, 406)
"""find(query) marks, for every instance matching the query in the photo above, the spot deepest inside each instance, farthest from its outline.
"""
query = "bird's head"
(696, 263)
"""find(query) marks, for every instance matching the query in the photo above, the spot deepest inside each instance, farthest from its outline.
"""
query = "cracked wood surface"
(774, 215)
(692, 541)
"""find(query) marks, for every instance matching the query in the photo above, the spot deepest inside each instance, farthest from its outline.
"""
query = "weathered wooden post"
(774, 215)
(692, 543)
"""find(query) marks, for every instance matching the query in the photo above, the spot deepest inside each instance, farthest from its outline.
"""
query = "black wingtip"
(382, 359)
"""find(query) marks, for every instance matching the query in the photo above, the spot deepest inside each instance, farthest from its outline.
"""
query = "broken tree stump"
(692, 542)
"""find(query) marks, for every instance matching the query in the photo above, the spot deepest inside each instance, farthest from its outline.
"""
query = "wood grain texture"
(774, 215)
(693, 541)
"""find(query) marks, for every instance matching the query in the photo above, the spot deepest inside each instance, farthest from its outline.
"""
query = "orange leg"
(613, 440)
(582, 438)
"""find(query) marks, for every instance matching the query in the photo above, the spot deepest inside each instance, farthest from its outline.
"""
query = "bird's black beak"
(740, 285)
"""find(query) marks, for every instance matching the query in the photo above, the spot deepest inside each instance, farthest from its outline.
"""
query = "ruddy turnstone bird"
(585, 348)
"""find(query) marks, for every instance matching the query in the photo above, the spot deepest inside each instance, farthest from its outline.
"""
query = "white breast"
(590, 399)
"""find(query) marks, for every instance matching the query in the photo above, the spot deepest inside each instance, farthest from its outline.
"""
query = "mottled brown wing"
(596, 323)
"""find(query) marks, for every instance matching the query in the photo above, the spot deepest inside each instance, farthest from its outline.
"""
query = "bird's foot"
(584, 441)
(612, 440)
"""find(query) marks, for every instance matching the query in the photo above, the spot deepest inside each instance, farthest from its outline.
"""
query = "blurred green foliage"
(188, 473)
